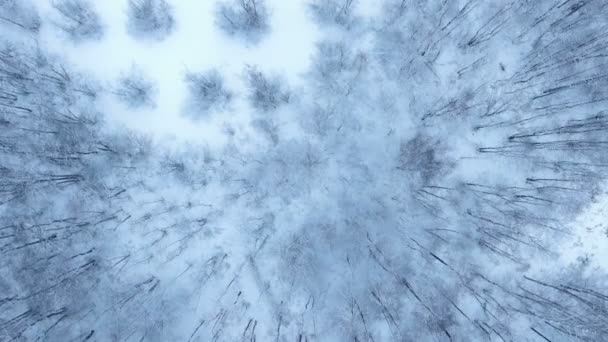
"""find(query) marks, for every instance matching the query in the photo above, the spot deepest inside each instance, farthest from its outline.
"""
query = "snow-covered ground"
(589, 243)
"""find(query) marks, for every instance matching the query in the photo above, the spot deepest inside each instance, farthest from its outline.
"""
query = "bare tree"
(207, 92)
(135, 90)
(78, 19)
(245, 18)
(265, 93)
(422, 156)
(150, 19)
(337, 12)
(19, 13)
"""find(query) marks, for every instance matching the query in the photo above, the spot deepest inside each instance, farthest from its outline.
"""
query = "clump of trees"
(248, 19)
(150, 19)
(206, 92)
(78, 20)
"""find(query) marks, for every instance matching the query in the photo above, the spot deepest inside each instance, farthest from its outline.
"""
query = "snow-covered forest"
(303, 170)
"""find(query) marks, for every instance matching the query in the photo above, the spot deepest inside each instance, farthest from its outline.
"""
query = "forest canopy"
(424, 180)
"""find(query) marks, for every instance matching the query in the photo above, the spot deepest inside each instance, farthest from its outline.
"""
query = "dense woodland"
(419, 187)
